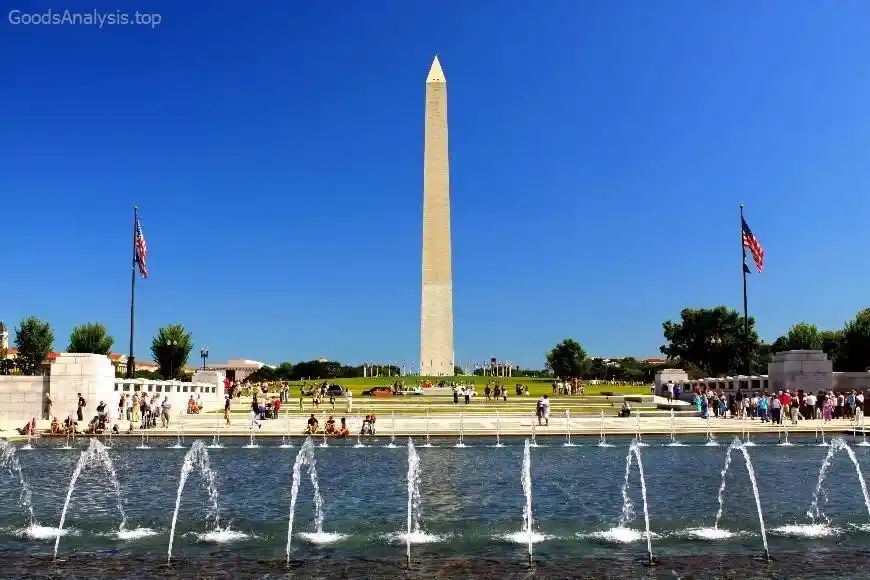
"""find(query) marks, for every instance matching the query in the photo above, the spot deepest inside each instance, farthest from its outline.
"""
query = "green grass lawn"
(537, 387)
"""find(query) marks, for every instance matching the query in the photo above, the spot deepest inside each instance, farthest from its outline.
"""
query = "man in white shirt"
(545, 409)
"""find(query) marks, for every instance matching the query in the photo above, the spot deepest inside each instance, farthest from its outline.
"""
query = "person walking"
(164, 412)
(46, 407)
(545, 410)
(227, 410)
(80, 407)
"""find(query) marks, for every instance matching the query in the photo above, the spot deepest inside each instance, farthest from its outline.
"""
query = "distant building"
(237, 369)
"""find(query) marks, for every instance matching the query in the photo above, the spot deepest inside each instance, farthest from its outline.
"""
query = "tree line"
(320, 370)
(34, 339)
(569, 360)
(706, 342)
(712, 342)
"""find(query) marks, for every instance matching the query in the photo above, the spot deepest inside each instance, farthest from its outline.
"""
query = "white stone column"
(92, 375)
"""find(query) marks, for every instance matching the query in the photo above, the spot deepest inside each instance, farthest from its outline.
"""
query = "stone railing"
(681, 379)
(810, 370)
(178, 393)
(93, 377)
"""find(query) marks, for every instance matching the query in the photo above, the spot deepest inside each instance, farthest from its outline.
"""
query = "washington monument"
(436, 307)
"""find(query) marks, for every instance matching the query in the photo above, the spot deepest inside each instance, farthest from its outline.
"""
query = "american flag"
(751, 242)
(141, 250)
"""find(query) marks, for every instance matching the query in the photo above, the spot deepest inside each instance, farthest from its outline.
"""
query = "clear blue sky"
(599, 152)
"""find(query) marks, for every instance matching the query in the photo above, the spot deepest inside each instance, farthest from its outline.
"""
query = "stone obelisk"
(436, 309)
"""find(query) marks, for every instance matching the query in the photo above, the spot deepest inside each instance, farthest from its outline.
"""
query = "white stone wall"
(92, 375)
(21, 399)
(855, 381)
(810, 370)
(677, 376)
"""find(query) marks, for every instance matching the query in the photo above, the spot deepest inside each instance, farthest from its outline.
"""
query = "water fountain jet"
(711, 441)
(837, 445)
(602, 439)
(413, 497)
(215, 436)
(178, 430)
(627, 511)
(783, 434)
(359, 426)
(9, 460)
(461, 430)
(716, 533)
(96, 453)
(392, 442)
(305, 458)
(637, 428)
(527, 490)
(568, 428)
(196, 458)
(285, 438)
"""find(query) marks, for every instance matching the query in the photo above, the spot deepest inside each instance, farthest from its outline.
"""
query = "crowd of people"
(780, 406)
(139, 410)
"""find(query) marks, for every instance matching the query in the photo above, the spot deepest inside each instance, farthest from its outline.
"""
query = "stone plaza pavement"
(449, 424)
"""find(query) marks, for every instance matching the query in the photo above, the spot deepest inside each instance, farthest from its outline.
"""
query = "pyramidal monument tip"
(436, 73)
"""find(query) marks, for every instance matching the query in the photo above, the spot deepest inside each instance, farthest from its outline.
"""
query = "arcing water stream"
(715, 533)
(96, 453)
(197, 458)
(627, 508)
(837, 445)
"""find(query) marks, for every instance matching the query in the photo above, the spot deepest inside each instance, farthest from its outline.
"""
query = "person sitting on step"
(329, 429)
(343, 431)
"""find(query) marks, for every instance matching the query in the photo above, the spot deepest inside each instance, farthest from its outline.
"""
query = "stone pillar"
(211, 377)
(92, 375)
(810, 370)
(677, 376)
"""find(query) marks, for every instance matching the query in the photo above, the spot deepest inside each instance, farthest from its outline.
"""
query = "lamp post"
(203, 354)
(715, 342)
(171, 345)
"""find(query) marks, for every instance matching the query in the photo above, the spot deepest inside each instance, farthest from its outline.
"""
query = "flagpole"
(131, 360)
(743, 269)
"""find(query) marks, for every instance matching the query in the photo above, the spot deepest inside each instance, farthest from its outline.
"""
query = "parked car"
(336, 391)
(407, 390)
(378, 392)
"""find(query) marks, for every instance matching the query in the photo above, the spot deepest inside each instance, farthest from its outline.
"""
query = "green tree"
(170, 349)
(90, 337)
(567, 359)
(831, 340)
(34, 339)
(854, 347)
(801, 336)
(711, 339)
